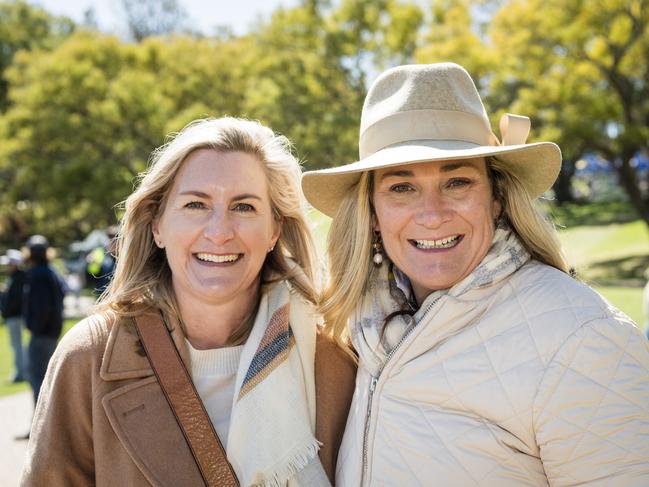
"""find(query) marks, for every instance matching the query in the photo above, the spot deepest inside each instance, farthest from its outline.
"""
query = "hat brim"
(537, 165)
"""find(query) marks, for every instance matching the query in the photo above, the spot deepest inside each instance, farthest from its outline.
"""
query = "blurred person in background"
(214, 249)
(481, 360)
(43, 295)
(12, 304)
(101, 263)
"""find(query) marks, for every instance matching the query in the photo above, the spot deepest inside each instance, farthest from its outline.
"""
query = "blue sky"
(204, 15)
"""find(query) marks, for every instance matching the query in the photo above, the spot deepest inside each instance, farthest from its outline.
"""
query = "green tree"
(370, 35)
(85, 117)
(306, 74)
(81, 123)
(579, 69)
(297, 86)
(454, 34)
(200, 77)
(583, 67)
(25, 27)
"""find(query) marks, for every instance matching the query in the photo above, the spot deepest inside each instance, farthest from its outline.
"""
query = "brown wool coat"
(103, 420)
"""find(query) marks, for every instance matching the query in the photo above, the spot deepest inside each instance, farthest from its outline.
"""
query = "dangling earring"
(377, 248)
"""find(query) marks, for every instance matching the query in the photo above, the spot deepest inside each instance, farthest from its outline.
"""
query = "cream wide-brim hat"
(432, 112)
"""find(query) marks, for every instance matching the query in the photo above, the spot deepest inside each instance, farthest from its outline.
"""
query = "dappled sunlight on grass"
(616, 251)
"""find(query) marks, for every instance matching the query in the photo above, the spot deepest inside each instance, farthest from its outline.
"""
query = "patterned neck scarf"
(389, 291)
(271, 440)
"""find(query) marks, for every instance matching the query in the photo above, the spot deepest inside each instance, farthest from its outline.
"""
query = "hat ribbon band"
(426, 124)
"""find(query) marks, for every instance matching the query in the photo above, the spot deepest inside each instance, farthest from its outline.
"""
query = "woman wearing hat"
(207, 332)
(481, 360)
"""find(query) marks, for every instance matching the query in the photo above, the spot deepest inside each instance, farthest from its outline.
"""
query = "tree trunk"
(629, 181)
(563, 185)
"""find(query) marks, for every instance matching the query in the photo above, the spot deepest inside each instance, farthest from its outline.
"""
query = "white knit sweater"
(214, 372)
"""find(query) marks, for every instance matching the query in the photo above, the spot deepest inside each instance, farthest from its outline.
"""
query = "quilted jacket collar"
(375, 340)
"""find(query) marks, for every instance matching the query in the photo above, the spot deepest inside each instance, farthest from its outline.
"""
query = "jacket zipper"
(373, 382)
(367, 423)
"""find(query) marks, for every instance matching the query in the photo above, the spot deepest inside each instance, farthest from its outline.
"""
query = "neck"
(209, 325)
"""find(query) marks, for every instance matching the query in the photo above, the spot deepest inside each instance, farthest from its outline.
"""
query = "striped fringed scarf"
(271, 352)
(271, 439)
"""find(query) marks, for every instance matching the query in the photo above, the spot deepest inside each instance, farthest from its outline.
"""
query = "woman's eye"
(243, 207)
(192, 205)
(400, 188)
(458, 183)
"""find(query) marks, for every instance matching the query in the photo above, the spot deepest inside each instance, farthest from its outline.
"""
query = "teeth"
(444, 243)
(217, 258)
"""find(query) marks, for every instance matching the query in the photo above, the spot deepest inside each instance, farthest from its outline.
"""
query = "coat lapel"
(139, 413)
(124, 357)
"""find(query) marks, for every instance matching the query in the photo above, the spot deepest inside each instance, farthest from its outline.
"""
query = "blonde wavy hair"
(350, 241)
(142, 277)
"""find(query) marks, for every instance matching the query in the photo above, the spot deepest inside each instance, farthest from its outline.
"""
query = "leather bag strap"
(179, 390)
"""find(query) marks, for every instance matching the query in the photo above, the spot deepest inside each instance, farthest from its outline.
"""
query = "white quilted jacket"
(531, 381)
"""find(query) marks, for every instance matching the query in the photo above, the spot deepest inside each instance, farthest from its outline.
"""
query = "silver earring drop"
(377, 248)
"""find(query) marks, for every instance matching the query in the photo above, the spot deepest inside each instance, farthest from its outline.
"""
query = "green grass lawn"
(627, 299)
(612, 258)
(608, 252)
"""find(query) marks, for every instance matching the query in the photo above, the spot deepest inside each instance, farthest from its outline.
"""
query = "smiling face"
(217, 227)
(436, 220)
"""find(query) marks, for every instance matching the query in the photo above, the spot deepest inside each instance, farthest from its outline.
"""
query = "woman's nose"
(218, 228)
(433, 210)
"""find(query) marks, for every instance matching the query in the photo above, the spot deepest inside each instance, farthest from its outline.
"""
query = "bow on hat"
(514, 129)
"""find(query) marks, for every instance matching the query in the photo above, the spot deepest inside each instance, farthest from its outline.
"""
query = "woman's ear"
(155, 230)
(278, 223)
(497, 209)
(375, 223)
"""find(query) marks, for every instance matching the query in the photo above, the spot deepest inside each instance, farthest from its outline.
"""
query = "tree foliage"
(583, 67)
(579, 69)
(81, 113)
(24, 27)
(81, 121)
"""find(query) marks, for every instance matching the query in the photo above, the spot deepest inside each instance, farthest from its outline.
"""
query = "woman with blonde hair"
(203, 364)
(481, 360)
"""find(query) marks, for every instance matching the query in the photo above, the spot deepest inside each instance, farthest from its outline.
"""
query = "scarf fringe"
(298, 461)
